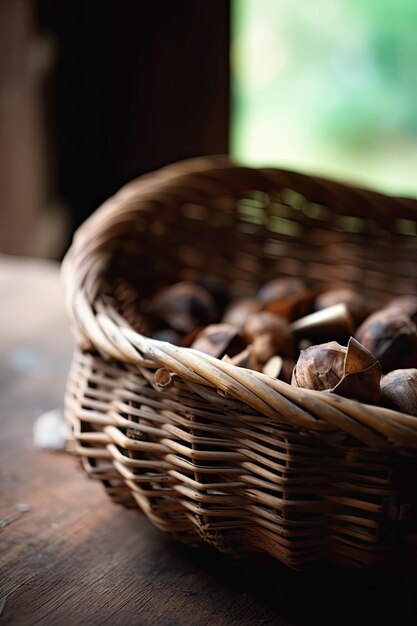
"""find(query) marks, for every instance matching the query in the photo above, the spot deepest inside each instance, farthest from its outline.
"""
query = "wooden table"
(76, 558)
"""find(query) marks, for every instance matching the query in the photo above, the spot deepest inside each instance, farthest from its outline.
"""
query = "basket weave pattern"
(210, 451)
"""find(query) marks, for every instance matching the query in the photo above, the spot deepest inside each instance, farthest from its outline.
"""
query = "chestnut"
(219, 339)
(404, 304)
(184, 306)
(399, 391)
(238, 311)
(218, 290)
(280, 288)
(263, 348)
(350, 371)
(270, 334)
(391, 336)
(354, 301)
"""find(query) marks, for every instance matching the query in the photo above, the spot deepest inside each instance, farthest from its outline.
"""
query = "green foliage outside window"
(328, 86)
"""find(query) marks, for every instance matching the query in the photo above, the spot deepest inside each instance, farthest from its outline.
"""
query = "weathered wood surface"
(76, 558)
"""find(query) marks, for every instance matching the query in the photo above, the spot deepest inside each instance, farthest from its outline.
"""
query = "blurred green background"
(327, 87)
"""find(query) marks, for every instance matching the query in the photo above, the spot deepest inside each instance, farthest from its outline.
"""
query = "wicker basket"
(209, 451)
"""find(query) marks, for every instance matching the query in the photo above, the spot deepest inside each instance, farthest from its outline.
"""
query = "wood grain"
(76, 558)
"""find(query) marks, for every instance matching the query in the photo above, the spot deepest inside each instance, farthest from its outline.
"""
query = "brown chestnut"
(218, 290)
(280, 288)
(354, 301)
(238, 311)
(349, 371)
(276, 336)
(219, 339)
(184, 306)
(404, 304)
(399, 391)
(293, 307)
(391, 337)
(264, 347)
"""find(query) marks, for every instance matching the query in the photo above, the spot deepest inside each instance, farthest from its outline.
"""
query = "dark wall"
(138, 84)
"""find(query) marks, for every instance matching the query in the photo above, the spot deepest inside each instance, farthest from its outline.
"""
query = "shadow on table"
(322, 596)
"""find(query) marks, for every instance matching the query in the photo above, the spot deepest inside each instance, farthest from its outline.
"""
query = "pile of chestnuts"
(330, 341)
